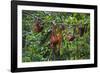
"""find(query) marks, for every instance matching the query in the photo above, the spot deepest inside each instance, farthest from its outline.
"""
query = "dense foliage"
(49, 36)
